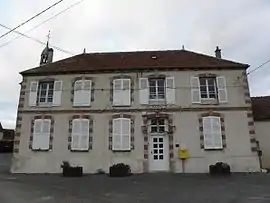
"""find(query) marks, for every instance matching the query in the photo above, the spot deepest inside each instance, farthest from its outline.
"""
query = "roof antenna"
(183, 47)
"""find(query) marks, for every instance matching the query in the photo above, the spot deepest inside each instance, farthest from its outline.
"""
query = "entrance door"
(158, 153)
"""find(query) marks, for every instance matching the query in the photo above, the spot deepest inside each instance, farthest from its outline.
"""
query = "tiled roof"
(121, 61)
(261, 108)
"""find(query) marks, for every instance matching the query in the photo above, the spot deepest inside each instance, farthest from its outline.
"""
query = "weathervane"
(48, 37)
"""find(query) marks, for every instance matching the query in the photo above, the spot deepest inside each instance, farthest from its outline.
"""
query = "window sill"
(45, 105)
(116, 105)
(41, 150)
(77, 150)
(214, 149)
(116, 150)
(209, 102)
(157, 102)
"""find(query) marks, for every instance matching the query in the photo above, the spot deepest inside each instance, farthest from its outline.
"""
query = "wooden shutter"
(117, 92)
(222, 90)
(143, 91)
(37, 135)
(76, 132)
(216, 133)
(87, 86)
(33, 93)
(170, 90)
(57, 93)
(125, 128)
(207, 132)
(195, 90)
(41, 136)
(84, 137)
(78, 93)
(126, 92)
(117, 134)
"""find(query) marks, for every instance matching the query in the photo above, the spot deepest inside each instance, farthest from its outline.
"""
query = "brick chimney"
(218, 52)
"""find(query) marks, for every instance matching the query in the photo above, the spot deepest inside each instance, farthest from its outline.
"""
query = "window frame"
(156, 93)
(213, 133)
(80, 134)
(47, 83)
(157, 125)
(207, 88)
(42, 133)
(121, 90)
(121, 134)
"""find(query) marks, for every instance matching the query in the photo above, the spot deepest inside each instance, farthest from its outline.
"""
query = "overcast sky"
(241, 28)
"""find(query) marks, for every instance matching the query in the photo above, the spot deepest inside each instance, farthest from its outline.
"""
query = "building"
(137, 108)
(261, 113)
(6, 139)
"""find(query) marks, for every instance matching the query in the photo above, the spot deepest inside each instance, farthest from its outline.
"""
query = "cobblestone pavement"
(160, 187)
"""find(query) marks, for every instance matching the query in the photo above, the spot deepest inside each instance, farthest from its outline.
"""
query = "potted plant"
(71, 171)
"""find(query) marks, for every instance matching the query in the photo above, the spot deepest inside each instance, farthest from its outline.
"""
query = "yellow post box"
(183, 153)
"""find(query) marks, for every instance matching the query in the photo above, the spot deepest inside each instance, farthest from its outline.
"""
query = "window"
(121, 92)
(208, 88)
(82, 93)
(212, 132)
(157, 125)
(45, 92)
(80, 135)
(41, 134)
(157, 89)
(121, 134)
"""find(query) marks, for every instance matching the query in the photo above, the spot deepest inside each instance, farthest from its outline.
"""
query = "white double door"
(158, 153)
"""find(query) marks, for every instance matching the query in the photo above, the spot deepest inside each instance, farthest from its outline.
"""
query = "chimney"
(218, 52)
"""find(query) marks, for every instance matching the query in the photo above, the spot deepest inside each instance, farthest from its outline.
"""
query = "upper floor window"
(45, 93)
(208, 88)
(82, 93)
(205, 89)
(121, 92)
(157, 90)
(212, 132)
(157, 125)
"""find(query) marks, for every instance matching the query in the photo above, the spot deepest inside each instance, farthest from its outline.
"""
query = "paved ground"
(165, 188)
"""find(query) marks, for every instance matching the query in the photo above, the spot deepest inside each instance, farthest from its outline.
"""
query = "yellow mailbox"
(183, 153)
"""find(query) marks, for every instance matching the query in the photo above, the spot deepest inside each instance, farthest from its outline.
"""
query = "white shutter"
(143, 90)
(117, 135)
(87, 86)
(207, 132)
(84, 138)
(125, 128)
(46, 128)
(57, 93)
(37, 135)
(41, 138)
(126, 92)
(117, 92)
(76, 132)
(216, 133)
(222, 90)
(33, 93)
(78, 93)
(170, 90)
(195, 90)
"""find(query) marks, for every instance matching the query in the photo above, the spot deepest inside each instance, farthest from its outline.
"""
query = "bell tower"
(47, 53)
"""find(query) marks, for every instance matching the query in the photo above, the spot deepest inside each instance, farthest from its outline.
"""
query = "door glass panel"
(155, 151)
(160, 157)
(155, 139)
(155, 157)
(155, 145)
(160, 145)
(161, 139)
(161, 151)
